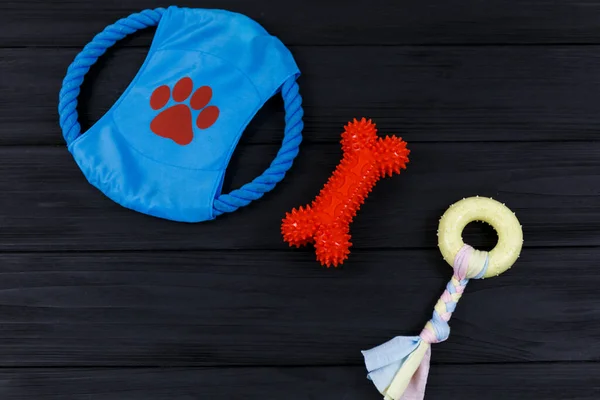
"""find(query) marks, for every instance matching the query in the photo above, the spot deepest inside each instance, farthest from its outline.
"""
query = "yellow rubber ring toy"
(500, 217)
(399, 367)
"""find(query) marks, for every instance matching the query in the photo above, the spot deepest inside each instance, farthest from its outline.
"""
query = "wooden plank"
(553, 187)
(281, 308)
(328, 23)
(428, 94)
(489, 382)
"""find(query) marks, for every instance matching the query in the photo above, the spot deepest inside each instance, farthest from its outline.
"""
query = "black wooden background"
(497, 98)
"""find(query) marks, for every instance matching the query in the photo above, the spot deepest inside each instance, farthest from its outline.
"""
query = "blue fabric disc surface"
(163, 148)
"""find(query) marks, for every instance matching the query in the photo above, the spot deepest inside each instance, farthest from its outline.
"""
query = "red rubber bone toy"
(326, 221)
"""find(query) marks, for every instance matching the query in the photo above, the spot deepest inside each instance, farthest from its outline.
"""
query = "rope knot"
(470, 263)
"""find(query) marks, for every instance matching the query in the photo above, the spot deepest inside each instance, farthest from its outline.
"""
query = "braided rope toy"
(150, 161)
(399, 367)
(326, 221)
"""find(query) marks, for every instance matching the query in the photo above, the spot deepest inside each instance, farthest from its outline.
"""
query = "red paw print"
(175, 122)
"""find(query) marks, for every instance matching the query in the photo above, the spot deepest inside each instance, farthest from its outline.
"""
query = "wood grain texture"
(282, 308)
(432, 94)
(337, 22)
(496, 98)
(553, 188)
(576, 381)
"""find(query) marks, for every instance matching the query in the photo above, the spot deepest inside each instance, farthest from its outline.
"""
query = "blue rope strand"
(282, 162)
(67, 101)
(67, 109)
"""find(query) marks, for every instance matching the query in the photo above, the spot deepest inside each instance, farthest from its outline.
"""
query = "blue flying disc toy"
(163, 147)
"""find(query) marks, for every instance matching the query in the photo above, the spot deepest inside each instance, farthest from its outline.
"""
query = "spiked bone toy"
(326, 221)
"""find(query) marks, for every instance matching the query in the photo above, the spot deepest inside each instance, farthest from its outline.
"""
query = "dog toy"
(326, 221)
(399, 367)
(164, 146)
